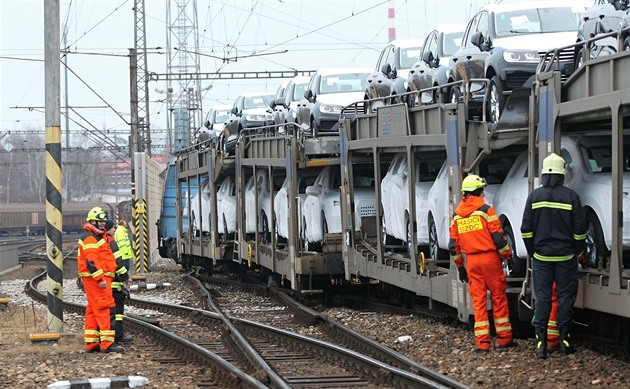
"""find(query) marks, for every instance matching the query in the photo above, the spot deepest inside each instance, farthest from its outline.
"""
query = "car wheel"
(434, 248)
(264, 236)
(595, 245)
(409, 242)
(393, 99)
(224, 236)
(437, 96)
(454, 94)
(495, 101)
(580, 58)
(388, 240)
(195, 230)
(519, 263)
(314, 129)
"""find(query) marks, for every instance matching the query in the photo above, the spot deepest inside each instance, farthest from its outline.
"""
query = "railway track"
(278, 354)
(167, 347)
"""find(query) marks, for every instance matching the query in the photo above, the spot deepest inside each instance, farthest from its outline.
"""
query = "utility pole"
(182, 50)
(67, 109)
(141, 79)
(54, 263)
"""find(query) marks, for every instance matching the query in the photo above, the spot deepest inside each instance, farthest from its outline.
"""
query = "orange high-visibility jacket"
(95, 258)
(475, 228)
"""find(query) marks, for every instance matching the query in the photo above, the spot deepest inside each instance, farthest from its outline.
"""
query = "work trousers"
(565, 275)
(553, 333)
(99, 314)
(485, 273)
(119, 311)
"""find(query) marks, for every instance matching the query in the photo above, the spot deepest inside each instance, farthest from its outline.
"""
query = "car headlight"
(330, 108)
(521, 56)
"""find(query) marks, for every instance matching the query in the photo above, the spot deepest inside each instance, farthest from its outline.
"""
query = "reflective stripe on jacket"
(475, 228)
(124, 244)
(94, 256)
(553, 227)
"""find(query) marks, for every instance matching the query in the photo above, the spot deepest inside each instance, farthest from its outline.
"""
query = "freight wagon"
(30, 218)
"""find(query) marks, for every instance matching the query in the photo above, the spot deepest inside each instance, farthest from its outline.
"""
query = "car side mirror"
(386, 69)
(313, 190)
(280, 101)
(308, 95)
(207, 124)
(427, 57)
(234, 111)
(477, 40)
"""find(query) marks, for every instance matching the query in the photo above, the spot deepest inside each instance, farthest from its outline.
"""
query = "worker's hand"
(510, 265)
(582, 259)
(463, 275)
(507, 254)
(102, 284)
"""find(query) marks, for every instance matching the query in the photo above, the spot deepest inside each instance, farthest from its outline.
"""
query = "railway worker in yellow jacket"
(96, 267)
(118, 285)
(124, 244)
(476, 232)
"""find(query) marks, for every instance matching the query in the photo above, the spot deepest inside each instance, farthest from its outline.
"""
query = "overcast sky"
(315, 33)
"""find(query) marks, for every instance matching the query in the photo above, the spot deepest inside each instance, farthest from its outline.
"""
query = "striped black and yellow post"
(54, 265)
(145, 236)
(136, 232)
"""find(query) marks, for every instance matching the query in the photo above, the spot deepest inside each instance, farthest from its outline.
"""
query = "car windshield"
(429, 169)
(221, 116)
(298, 91)
(339, 83)
(409, 56)
(600, 158)
(256, 102)
(536, 20)
(452, 42)
(494, 170)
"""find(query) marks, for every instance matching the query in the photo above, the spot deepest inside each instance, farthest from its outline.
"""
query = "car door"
(312, 208)
(428, 61)
(281, 209)
(226, 206)
(469, 61)
(399, 197)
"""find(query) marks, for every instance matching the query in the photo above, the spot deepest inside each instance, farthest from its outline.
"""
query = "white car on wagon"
(493, 168)
(395, 197)
(281, 205)
(321, 210)
(588, 172)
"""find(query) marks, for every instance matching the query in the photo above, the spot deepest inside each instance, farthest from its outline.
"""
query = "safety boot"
(541, 344)
(566, 344)
(114, 348)
(124, 339)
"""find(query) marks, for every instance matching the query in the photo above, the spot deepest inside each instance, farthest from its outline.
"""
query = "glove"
(507, 254)
(125, 293)
(463, 274)
(510, 265)
(582, 259)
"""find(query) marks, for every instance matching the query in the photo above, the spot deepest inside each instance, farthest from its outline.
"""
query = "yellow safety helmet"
(473, 182)
(97, 214)
(553, 164)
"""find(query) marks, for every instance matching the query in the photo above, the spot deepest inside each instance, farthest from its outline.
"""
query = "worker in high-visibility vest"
(96, 268)
(476, 234)
(118, 285)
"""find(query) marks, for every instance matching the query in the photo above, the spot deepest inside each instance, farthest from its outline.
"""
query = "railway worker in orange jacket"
(97, 267)
(476, 233)
(120, 279)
